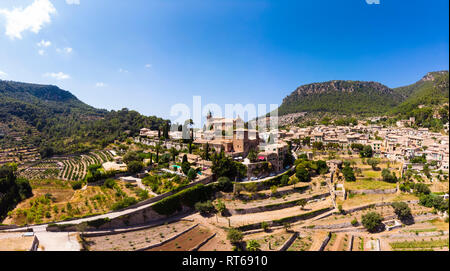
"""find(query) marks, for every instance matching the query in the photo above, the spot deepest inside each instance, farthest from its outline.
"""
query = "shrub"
(124, 203)
(234, 236)
(220, 207)
(77, 185)
(341, 210)
(98, 222)
(224, 184)
(253, 245)
(265, 226)
(354, 222)
(135, 166)
(205, 207)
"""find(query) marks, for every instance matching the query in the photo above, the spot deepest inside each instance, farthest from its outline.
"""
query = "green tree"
(135, 166)
(372, 221)
(302, 173)
(174, 153)
(234, 236)
(402, 210)
(366, 152)
(348, 173)
(185, 167)
(220, 207)
(373, 162)
(192, 174)
(388, 176)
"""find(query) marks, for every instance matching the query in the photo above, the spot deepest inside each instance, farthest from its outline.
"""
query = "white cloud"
(100, 85)
(67, 50)
(73, 2)
(58, 76)
(44, 43)
(3, 74)
(148, 66)
(41, 52)
(31, 18)
(123, 71)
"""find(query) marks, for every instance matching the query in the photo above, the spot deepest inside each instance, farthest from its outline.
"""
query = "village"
(229, 186)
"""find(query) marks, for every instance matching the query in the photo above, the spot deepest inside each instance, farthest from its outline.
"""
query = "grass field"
(420, 244)
(439, 224)
(372, 174)
(363, 184)
(359, 200)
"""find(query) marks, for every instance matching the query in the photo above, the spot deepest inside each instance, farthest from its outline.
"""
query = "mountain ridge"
(56, 121)
(360, 97)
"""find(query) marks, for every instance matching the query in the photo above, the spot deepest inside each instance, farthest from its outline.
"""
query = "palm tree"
(253, 245)
(301, 203)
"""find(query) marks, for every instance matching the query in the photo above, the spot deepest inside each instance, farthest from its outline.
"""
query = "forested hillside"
(57, 122)
(425, 100)
(344, 97)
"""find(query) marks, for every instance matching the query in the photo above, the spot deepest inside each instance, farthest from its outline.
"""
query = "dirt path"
(219, 242)
(186, 241)
(245, 219)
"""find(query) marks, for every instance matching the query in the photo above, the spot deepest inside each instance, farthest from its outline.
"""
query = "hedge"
(187, 197)
(98, 222)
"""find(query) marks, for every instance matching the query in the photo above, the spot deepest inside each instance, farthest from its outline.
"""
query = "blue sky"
(149, 55)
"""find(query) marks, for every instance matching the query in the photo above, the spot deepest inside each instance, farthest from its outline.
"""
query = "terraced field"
(75, 168)
(70, 168)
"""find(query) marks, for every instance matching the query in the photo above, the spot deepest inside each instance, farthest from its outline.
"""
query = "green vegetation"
(346, 97)
(124, 203)
(339, 98)
(62, 123)
(188, 197)
(402, 210)
(205, 208)
(164, 182)
(388, 176)
(348, 173)
(372, 221)
(420, 244)
(434, 201)
(234, 236)
(253, 245)
(224, 166)
(12, 189)
(428, 93)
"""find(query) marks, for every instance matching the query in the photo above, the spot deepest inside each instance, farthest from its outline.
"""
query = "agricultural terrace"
(70, 168)
(138, 239)
(75, 168)
(161, 182)
(55, 200)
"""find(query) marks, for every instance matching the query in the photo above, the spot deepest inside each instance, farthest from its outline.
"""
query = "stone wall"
(289, 242)
(374, 191)
(378, 204)
(272, 207)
